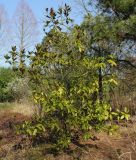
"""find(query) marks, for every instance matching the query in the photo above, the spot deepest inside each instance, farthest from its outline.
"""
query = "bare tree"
(4, 33)
(25, 26)
(4, 29)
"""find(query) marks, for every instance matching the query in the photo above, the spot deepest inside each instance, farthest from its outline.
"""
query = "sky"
(38, 7)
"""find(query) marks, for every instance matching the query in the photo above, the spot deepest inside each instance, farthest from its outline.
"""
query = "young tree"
(25, 26)
(64, 77)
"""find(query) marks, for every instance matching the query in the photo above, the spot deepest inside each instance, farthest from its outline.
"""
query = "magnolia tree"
(66, 83)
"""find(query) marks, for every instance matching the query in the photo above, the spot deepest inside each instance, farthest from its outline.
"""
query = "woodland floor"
(120, 146)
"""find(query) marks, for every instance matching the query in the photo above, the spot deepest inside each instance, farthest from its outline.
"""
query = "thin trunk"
(100, 85)
(22, 39)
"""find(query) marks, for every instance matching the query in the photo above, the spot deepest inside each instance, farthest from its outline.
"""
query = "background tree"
(4, 29)
(6, 76)
(122, 18)
(24, 26)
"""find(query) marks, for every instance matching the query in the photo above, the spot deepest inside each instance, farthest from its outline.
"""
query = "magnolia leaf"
(113, 81)
(112, 63)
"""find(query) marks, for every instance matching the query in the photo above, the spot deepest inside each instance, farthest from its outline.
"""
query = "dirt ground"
(120, 146)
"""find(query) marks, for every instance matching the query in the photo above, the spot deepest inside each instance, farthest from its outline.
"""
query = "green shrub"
(66, 85)
(64, 89)
(6, 76)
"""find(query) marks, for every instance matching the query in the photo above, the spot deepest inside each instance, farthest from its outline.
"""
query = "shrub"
(6, 76)
(66, 85)
(20, 89)
(64, 89)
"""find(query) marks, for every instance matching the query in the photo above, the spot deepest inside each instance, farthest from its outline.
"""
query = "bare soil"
(120, 146)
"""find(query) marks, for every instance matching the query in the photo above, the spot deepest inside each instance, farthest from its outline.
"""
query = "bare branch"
(25, 26)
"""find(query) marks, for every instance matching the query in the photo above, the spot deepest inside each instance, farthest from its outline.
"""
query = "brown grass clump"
(23, 108)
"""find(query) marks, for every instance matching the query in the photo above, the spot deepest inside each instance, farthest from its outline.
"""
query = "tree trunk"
(100, 83)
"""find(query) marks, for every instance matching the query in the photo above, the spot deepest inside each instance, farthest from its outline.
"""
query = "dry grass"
(23, 108)
(122, 101)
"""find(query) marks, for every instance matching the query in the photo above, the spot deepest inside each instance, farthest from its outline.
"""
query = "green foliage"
(65, 83)
(121, 115)
(6, 76)
(17, 60)
(29, 129)
(66, 79)
(120, 7)
(12, 86)
(111, 129)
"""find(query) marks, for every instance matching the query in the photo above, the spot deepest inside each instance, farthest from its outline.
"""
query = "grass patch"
(6, 105)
